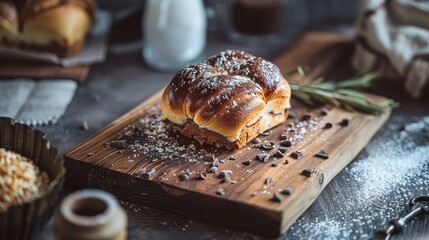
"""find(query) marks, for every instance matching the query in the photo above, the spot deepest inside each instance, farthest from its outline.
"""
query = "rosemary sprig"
(346, 94)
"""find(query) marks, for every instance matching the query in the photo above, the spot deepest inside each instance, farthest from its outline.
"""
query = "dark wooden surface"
(123, 81)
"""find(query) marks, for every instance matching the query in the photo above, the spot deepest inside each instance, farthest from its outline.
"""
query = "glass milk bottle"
(174, 33)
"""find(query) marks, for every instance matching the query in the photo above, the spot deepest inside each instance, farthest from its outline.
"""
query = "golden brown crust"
(226, 95)
(204, 136)
(57, 26)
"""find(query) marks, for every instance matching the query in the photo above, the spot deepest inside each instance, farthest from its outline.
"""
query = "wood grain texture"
(42, 71)
(90, 165)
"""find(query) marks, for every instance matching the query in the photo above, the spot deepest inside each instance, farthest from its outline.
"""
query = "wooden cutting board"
(247, 202)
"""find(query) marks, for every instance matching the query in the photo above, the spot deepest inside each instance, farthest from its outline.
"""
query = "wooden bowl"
(26, 220)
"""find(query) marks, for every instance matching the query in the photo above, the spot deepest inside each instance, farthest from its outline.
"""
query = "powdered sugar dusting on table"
(395, 168)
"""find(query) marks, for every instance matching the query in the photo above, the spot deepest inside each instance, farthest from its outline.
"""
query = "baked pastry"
(227, 100)
(57, 26)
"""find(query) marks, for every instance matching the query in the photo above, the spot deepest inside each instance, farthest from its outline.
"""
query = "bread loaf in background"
(56, 26)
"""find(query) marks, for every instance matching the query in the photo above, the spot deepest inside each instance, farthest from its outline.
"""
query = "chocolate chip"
(121, 144)
(274, 164)
(323, 112)
(215, 163)
(247, 162)
(286, 143)
(283, 137)
(286, 161)
(306, 117)
(266, 133)
(256, 140)
(279, 154)
(286, 191)
(149, 175)
(232, 157)
(212, 170)
(208, 158)
(225, 174)
(307, 172)
(141, 171)
(296, 155)
(269, 180)
(267, 146)
(184, 176)
(192, 148)
(328, 125)
(282, 149)
(203, 175)
(221, 191)
(345, 122)
(263, 157)
(276, 197)
(322, 154)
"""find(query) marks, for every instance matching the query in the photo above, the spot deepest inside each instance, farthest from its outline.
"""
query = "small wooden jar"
(90, 214)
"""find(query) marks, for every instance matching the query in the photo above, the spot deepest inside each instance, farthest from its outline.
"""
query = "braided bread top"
(226, 93)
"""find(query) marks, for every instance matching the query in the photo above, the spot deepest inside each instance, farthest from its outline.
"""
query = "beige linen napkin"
(393, 39)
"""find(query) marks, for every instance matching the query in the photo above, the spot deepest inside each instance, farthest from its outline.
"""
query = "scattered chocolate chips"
(212, 170)
(215, 163)
(276, 197)
(84, 126)
(256, 140)
(274, 164)
(307, 172)
(282, 149)
(192, 148)
(267, 146)
(296, 155)
(224, 174)
(306, 117)
(203, 175)
(232, 157)
(247, 162)
(328, 125)
(269, 180)
(286, 161)
(323, 112)
(121, 144)
(184, 176)
(279, 154)
(149, 175)
(286, 143)
(266, 133)
(322, 154)
(221, 191)
(345, 122)
(141, 171)
(263, 157)
(208, 158)
(283, 137)
(286, 191)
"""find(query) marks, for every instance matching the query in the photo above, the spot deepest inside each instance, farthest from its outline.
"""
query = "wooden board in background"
(90, 163)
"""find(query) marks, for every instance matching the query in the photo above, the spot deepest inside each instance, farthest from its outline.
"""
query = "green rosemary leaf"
(343, 94)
